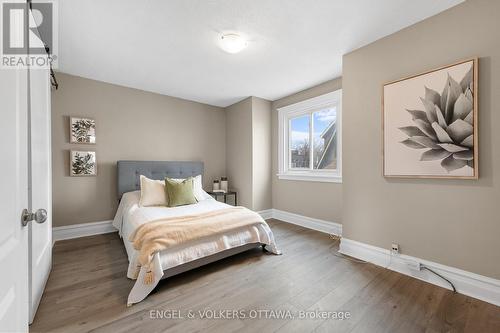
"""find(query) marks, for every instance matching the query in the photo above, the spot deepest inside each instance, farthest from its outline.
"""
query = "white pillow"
(198, 188)
(152, 192)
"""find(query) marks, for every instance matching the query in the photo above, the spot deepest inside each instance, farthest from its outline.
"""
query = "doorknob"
(39, 216)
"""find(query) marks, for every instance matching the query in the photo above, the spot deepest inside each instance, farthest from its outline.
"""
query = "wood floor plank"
(88, 288)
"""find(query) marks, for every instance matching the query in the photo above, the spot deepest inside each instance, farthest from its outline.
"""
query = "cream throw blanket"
(162, 234)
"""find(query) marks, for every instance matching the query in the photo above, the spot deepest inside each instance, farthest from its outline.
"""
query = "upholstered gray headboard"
(130, 171)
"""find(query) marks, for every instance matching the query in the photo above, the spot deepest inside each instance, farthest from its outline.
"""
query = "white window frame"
(285, 114)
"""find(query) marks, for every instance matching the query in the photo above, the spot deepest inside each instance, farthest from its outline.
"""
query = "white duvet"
(130, 215)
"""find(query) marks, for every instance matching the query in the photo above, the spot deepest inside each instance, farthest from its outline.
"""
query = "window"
(310, 139)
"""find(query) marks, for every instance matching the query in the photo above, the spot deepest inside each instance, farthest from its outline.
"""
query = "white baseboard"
(467, 283)
(82, 230)
(104, 227)
(266, 214)
(304, 221)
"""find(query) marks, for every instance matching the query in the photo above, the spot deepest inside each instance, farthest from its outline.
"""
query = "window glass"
(310, 140)
(325, 139)
(300, 142)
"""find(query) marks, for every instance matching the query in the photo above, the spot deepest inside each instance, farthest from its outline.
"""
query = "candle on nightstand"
(224, 184)
(216, 186)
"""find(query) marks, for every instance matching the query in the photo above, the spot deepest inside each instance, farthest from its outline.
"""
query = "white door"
(40, 234)
(13, 199)
(25, 247)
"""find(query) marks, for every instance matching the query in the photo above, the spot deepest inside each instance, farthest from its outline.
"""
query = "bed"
(186, 256)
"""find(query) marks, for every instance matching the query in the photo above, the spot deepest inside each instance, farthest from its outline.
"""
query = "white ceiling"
(169, 47)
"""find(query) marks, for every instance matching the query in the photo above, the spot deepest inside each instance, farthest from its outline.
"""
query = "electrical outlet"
(395, 248)
(413, 265)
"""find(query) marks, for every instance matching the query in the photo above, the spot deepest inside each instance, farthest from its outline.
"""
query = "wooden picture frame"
(419, 142)
(82, 163)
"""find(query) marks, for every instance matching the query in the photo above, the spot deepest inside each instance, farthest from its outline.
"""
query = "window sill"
(311, 177)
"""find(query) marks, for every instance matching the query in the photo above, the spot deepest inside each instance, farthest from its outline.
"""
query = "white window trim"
(304, 107)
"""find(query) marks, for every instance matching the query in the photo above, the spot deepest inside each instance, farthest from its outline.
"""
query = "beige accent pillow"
(152, 192)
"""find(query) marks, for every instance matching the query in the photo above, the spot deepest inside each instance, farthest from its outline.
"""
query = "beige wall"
(248, 151)
(452, 222)
(133, 125)
(239, 150)
(311, 199)
(261, 151)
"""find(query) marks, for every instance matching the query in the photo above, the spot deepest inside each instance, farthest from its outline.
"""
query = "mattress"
(130, 215)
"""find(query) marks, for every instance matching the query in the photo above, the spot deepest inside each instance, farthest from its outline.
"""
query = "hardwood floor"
(87, 291)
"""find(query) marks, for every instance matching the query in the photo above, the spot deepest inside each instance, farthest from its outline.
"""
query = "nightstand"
(216, 196)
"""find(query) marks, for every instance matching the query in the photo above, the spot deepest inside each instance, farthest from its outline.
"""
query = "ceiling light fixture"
(232, 43)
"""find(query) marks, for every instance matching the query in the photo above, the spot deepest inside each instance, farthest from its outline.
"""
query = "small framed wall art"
(82, 130)
(83, 163)
(430, 124)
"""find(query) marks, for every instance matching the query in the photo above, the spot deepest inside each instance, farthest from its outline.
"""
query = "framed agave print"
(430, 124)
(83, 163)
(82, 130)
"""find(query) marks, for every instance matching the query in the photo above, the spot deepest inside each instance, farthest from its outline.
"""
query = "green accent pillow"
(179, 193)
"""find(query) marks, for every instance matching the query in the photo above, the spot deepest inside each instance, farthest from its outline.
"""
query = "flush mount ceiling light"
(232, 43)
